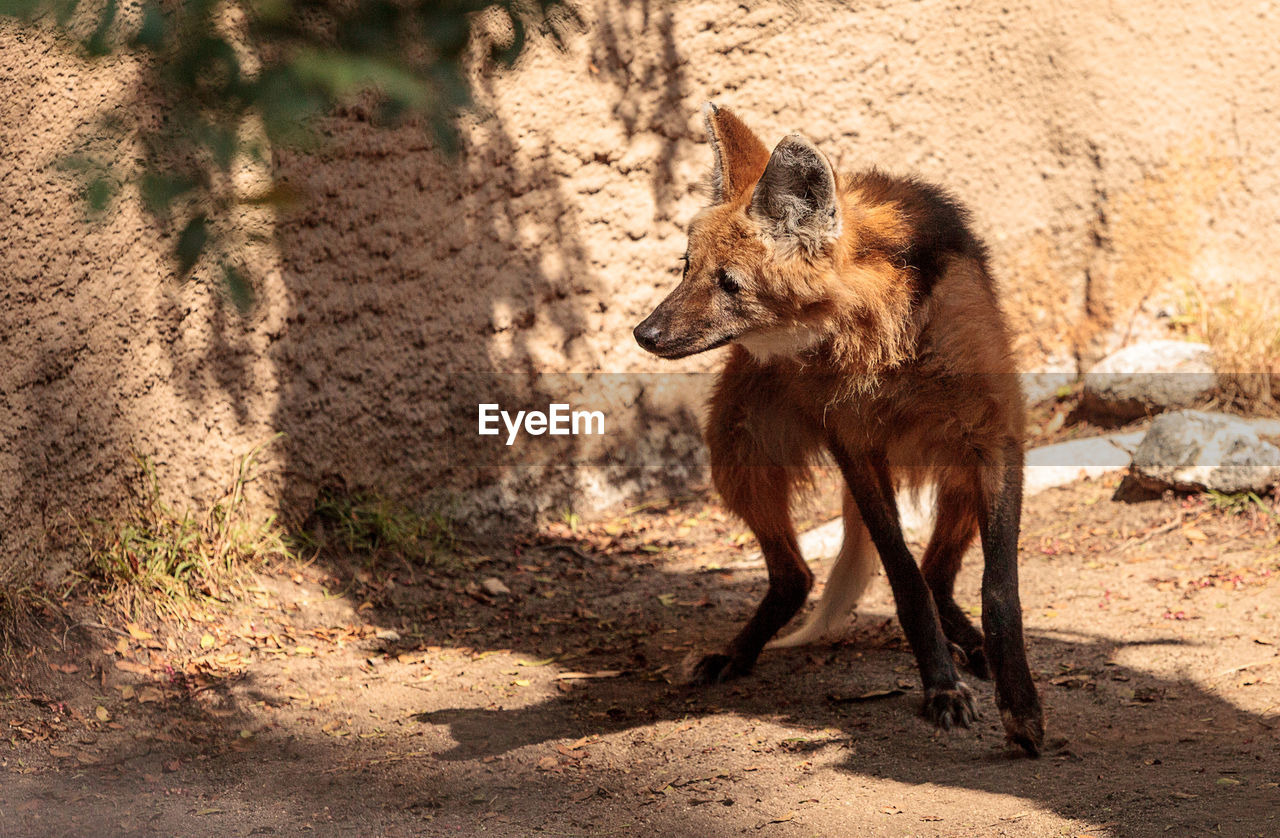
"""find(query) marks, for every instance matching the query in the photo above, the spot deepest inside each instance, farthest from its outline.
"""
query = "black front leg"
(789, 584)
(947, 700)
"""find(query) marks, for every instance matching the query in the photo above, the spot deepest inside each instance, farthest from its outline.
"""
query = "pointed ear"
(796, 195)
(740, 157)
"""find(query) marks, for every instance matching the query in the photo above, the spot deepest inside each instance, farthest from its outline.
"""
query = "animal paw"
(1026, 731)
(948, 708)
(714, 669)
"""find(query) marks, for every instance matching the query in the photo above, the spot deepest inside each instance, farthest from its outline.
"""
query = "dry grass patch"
(161, 558)
(1243, 330)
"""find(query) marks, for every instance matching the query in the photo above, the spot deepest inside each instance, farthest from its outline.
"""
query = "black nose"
(647, 335)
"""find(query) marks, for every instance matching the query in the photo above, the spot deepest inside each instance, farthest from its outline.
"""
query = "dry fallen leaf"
(102, 714)
(542, 662)
(207, 641)
(580, 676)
(874, 695)
(137, 632)
(1195, 535)
(149, 694)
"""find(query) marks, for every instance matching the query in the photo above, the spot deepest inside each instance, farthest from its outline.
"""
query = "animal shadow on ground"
(1107, 718)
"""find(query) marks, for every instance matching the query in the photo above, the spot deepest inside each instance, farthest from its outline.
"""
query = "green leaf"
(160, 189)
(21, 9)
(151, 33)
(220, 139)
(63, 10)
(238, 287)
(191, 243)
(287, 105)
(97, 43)
(99, 193)
(271, 11)
(343, 75)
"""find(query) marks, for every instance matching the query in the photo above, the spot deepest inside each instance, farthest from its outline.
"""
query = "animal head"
(760, 258)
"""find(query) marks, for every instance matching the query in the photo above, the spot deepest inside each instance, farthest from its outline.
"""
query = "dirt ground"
(347, 699)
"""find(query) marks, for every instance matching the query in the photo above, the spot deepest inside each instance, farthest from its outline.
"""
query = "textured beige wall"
(104, 355)
(1111, 153)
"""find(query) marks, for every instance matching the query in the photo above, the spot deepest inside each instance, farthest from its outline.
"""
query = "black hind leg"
(1002, 611)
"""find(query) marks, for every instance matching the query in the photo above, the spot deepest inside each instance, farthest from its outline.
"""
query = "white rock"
(1193, 451)
(493, 587)
(1149, 378)
(1066, 462)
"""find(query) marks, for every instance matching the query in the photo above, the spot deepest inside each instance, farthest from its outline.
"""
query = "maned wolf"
(863, 323)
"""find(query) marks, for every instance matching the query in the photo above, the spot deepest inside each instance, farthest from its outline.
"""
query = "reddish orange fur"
(933, 385)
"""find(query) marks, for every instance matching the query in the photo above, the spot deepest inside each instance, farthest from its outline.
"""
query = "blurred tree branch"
(231, 80)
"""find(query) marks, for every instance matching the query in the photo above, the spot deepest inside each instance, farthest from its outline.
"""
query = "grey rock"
(1149, 378)
(1194, 451)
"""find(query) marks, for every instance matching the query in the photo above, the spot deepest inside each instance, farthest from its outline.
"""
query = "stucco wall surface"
(1114, 155)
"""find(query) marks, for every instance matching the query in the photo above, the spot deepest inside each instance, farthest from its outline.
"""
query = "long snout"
(661, 332)
(648, 334)
(671, 333)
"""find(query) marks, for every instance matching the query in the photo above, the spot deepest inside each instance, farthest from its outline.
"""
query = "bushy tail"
(853, 571)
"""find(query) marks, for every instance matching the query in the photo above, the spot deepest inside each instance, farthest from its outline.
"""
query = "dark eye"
(727, 283)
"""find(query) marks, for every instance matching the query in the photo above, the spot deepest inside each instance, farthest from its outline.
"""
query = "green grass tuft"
(369, 524)
(1241, 503)
(156, 553)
